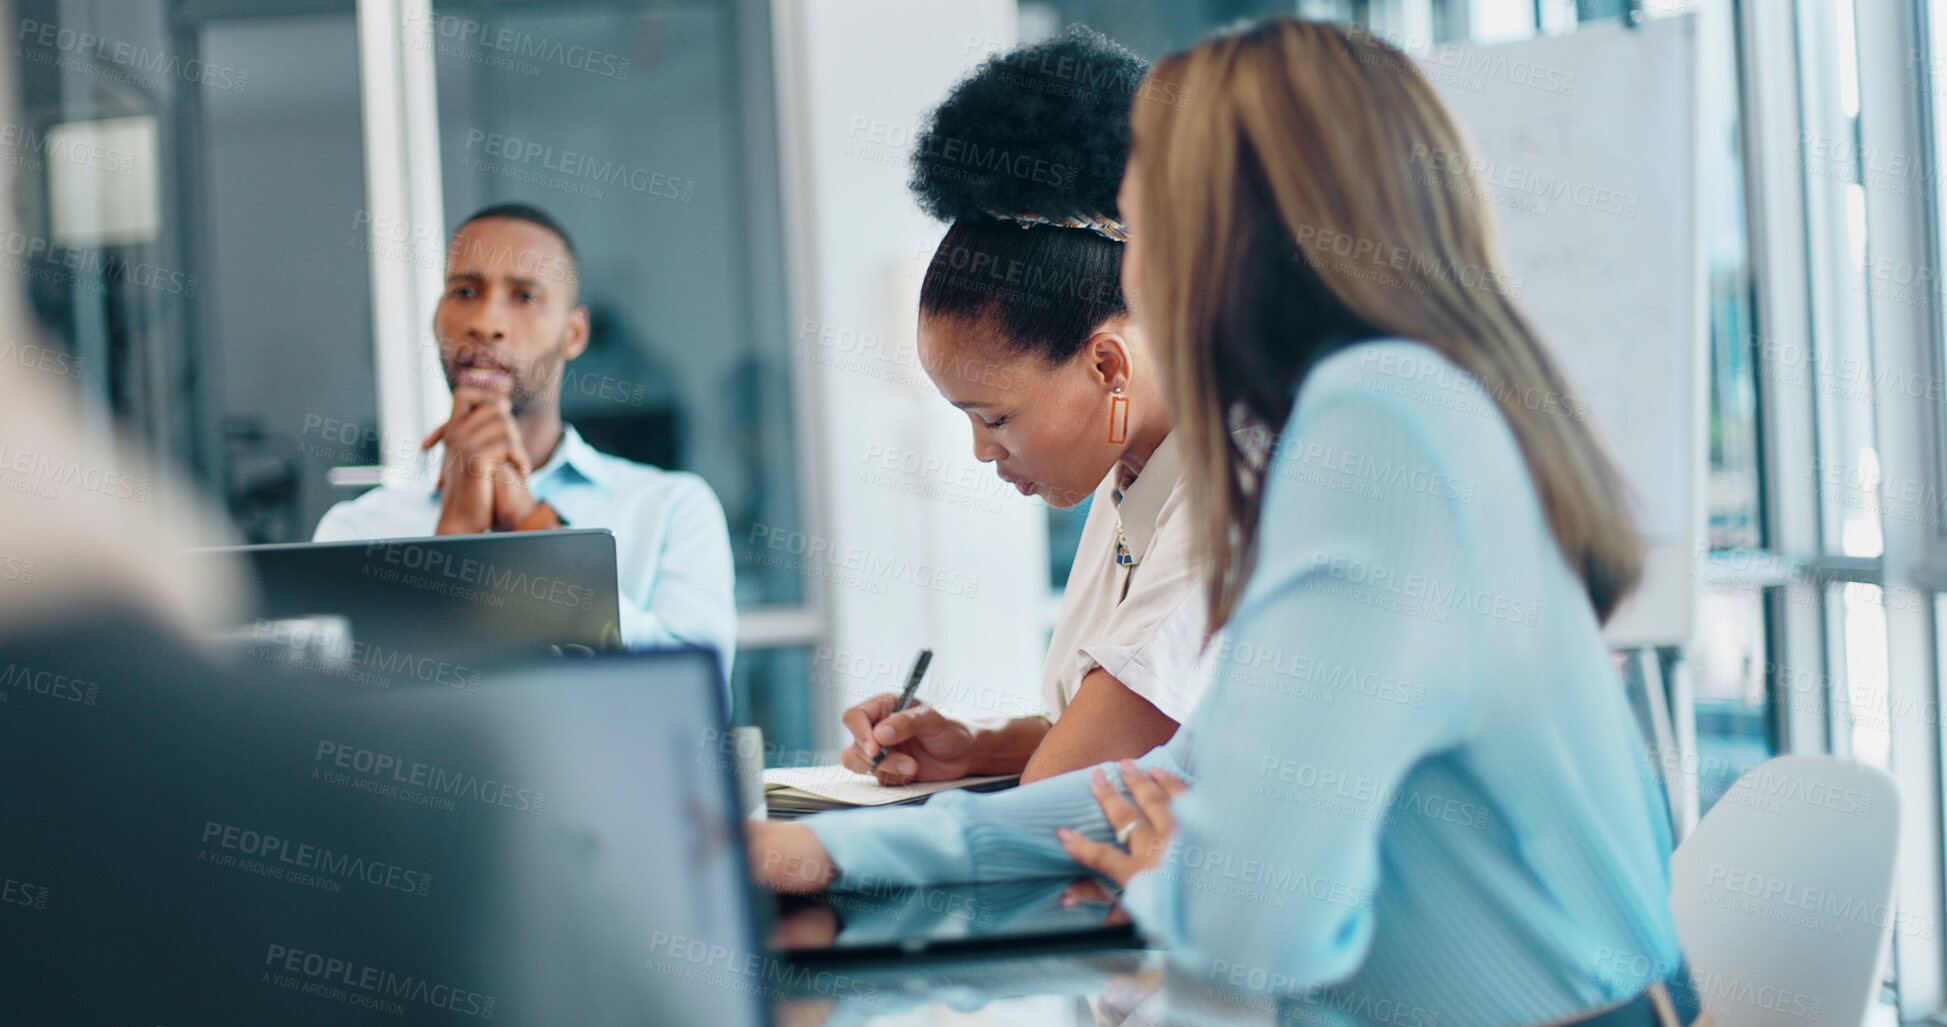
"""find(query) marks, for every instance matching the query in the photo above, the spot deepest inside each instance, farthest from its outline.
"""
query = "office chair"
(1783, 894)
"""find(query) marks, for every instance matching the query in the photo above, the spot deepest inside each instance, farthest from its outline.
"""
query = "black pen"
(906, 697)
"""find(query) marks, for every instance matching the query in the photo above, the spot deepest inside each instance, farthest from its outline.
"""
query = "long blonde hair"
(1314, 194)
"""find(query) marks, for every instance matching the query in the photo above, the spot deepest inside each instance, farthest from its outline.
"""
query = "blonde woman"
(1414, 793)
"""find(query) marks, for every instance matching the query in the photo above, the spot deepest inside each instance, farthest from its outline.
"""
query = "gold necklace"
(1122, 554)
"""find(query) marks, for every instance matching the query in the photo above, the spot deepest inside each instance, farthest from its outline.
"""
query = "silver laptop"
(484, 596)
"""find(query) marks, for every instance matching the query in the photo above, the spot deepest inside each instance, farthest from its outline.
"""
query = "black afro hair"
(1041, 129)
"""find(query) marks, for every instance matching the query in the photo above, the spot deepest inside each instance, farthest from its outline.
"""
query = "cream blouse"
(1143, 624)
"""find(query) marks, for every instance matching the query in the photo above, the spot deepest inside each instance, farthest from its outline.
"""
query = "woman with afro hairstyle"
(1023, 326)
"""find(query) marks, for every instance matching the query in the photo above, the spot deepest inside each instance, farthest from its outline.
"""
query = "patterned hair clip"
(1106, 227)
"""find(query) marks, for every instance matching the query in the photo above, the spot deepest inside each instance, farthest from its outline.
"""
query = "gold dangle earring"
(1118, 418)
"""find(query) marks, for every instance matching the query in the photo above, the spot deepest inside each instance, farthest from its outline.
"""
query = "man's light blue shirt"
(672, 550)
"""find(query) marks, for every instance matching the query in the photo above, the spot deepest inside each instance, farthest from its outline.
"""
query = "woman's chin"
(1060, 498)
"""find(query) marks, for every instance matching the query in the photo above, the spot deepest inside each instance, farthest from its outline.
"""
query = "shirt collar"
(573, 455)
(1142, 502)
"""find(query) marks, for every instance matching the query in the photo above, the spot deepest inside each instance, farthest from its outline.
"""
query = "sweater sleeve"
(960, 837)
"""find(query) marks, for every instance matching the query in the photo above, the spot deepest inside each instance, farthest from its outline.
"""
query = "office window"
(1845, 482)
(1151, 28)
(188, 181)
(1728, 668)
(1845, 183)
(1836, 214)
(1856, 665)
(646, 129)
(1924, 70)
(231, 326)
(1734, 713)
(1731, 494)
(759, 695)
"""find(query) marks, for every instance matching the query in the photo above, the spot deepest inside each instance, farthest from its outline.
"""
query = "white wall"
(932, 550)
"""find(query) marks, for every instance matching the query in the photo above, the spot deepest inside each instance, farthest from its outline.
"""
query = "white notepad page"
(841, 785)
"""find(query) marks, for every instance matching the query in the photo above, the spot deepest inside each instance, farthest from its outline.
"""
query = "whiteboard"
(1586, 145)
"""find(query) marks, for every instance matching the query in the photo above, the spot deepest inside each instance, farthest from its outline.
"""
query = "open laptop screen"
(510, 593)
(195, 846)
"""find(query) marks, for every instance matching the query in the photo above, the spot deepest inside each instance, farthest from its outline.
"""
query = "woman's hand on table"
(788, 858)
(1144, 825)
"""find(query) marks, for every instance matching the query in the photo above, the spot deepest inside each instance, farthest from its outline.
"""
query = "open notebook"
(797, 791)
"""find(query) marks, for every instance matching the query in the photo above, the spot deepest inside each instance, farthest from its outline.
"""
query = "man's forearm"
(1003, 746)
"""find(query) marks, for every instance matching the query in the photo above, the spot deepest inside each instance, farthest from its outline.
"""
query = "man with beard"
(508, 322)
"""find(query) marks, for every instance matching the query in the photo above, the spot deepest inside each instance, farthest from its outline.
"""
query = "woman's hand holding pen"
(923, 744)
